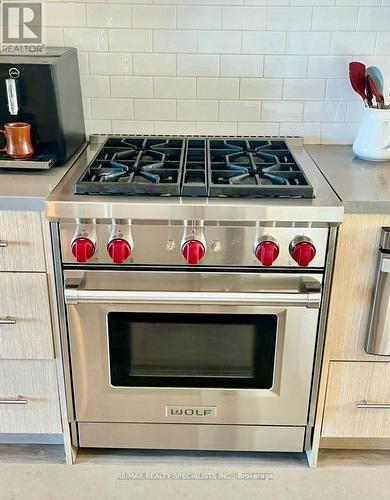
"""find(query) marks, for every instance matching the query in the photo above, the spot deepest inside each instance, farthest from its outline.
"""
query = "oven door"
(211, 347)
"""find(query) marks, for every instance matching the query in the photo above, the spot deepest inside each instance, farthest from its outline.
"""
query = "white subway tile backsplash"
(310, 131)
(154, 64)
(219, 42)
(113, 109)
(98, 127)
(155, 109)
(217, 88)
(304, 89)
(199, 17)
(261, 88)
(338, 133)
(243, 111)
(259, 128)
(130, 40)
(65, 14)
(132, 127)
(174, 128)
(223, 67)
(289, 18)
(90, 39)
(242, 65)
(216, 128)
(197, 65)
(132, 86)
(174, 41)
(325, 111)
(263, 42)
(109, 64)
(383, 44)
(352, 43)
(282, 111)
(197, 110)
(304, 42)
(153, 16)
(285, 66)
(108, 16)
(355, 112)
(243, 18)
(340, 89)
(95, 86)
(335, 18)
(174, 87)
(328, 66)
(374, 19)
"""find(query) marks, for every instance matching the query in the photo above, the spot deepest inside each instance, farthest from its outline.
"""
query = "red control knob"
(303, 253)
(119, 250)
(193, 251)
(267, 252)
(82, 249)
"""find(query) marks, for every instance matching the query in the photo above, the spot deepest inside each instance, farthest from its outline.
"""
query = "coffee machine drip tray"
(36, 162)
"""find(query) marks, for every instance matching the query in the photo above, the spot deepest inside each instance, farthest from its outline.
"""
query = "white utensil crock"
(373, 138)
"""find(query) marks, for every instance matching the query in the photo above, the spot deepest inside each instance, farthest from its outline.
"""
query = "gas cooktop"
(195, 166)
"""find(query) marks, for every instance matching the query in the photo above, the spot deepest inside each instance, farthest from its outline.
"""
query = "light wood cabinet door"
(353, 287)
(38, 409)
(353, 383)
(25, 322)
(21, 242)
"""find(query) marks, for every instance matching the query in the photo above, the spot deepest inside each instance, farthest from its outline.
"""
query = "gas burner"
(242, 167)
(135, 166)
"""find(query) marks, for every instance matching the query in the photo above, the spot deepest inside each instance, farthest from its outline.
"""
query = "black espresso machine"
(43, 90)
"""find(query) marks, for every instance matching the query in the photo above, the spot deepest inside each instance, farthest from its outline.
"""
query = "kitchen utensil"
(377, 78)
(357, 77)
(373, 138)
(18, 137)
(374, 91)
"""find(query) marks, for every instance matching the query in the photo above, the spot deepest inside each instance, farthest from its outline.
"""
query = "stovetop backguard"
(195, 167)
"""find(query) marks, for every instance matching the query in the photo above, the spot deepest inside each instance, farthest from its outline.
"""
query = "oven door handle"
(308, 296)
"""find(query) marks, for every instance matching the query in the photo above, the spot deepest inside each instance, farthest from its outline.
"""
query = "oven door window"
(192, 350)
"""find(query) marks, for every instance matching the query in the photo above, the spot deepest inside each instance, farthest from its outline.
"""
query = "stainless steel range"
(194, 275)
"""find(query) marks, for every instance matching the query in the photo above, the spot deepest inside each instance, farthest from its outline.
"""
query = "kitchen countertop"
(362, 186)
(28, 189)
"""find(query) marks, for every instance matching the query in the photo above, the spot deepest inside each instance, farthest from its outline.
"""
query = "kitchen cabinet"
(349, 374)
(358, 400)
(29, 397)
(30, 368)
(21, 243)
(25, 323)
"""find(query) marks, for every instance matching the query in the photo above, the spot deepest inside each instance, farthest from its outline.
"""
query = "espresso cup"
(18, 137)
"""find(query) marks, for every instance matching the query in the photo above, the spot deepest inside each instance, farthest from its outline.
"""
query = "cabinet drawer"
(21, 242)
(25, 325)
(357, 400)
(37, 410)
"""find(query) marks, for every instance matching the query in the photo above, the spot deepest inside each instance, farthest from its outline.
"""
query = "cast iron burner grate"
(207, 167)
(135, 166)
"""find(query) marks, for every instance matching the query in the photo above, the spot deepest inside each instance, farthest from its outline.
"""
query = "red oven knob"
(193, 251)
(303, 252)
(82, 249)
(267, 252)
(119, 250)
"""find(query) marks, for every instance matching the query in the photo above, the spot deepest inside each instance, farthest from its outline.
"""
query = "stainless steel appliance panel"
(93, 295)
(192, 437)
(159, 243)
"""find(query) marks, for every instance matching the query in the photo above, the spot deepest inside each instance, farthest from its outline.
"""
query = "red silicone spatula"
(357, 77)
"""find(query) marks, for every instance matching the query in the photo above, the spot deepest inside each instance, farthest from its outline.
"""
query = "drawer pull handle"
(3, 244)
(7, 321)
(373, 406)
(18, 400)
